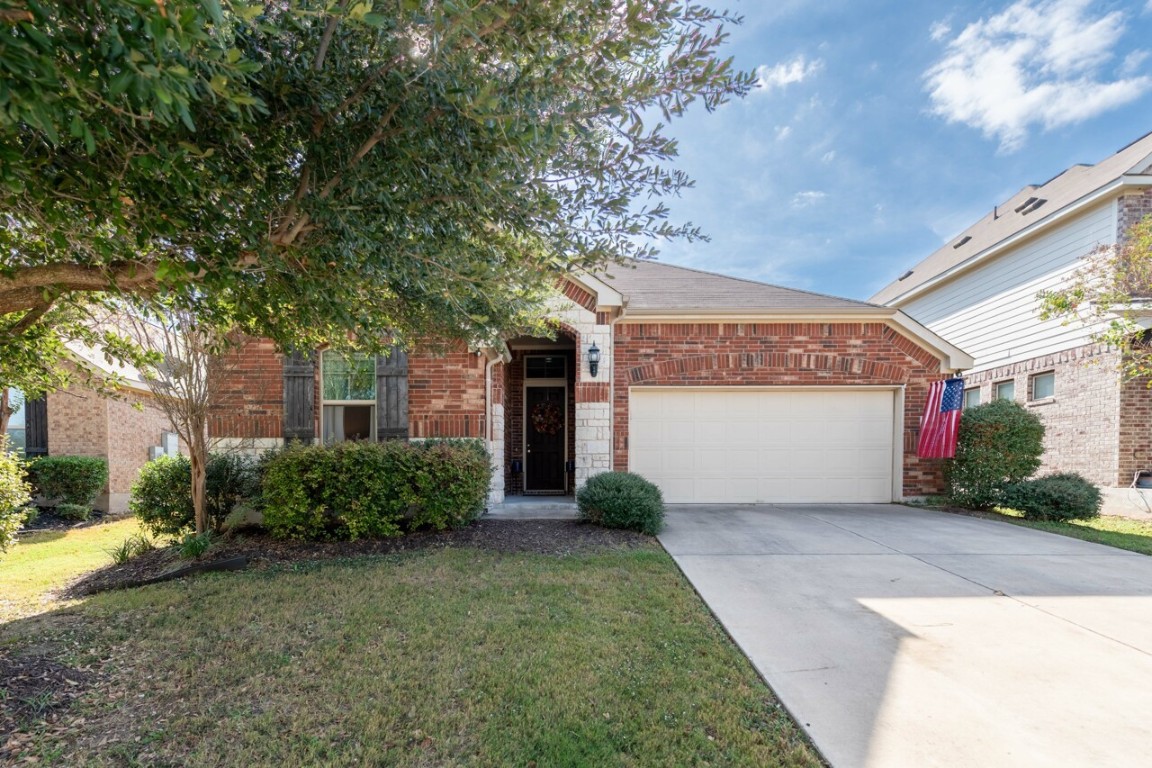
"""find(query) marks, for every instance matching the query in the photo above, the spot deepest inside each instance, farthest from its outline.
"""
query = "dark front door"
(545, 427)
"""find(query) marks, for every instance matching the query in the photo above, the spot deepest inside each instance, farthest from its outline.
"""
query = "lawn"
(42, 562)
(435, 657)
(1119, 532)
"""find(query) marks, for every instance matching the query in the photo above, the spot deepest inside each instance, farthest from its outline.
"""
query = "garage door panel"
(746, 446)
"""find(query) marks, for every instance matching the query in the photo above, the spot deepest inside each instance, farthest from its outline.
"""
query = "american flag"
(941, 420)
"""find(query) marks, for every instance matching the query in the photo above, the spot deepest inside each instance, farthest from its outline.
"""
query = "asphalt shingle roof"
(1012, 216)
(652, 285)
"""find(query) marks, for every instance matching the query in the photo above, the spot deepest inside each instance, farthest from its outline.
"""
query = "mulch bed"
(548, 537)
(48, 521)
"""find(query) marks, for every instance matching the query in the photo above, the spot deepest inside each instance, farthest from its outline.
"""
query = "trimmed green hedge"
(69, 479)
(1063, 496)
(1000, 443)
(369, 490)
(622, 500)
(14, 494)
(161, 497)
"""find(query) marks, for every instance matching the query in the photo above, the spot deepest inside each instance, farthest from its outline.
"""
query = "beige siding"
(991, 312)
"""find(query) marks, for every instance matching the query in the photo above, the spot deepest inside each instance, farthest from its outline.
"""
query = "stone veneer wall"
(1081, 420)
(779, 354)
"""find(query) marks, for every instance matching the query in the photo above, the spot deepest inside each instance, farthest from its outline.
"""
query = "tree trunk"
(5, 414)
(198, 458)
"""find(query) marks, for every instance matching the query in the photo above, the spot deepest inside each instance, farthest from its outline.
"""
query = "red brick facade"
(252, 393)
(446, 394)
(792, 354)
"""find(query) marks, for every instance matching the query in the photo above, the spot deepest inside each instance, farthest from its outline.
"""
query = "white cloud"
(785, 73)
(1133, 61)
(807, 198)
(828, 156)
(1038, 62)
(783, 132)
(939, 30)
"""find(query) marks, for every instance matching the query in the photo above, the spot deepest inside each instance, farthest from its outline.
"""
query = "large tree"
(1110, 294)
(310, 168)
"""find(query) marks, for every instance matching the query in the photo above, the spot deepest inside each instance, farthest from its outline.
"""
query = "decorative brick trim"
(592, 392)
(454, 425)
(603, 318)
(856, 366)
(577, 294)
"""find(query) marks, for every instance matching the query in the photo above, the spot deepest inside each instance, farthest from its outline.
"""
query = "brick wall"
(251, 402)
(1135, 433)
(1081, 421)
(84, 423)
(1131, 208)
(778, 354)
(446, 394)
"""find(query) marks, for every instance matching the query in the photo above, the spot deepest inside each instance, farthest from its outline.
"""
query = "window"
(545, 367)
(1004, 390)
(1043, 385)
(348, 392)
(17, 432)
(972, 397)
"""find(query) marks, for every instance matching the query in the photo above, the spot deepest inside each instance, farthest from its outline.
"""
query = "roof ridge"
(750, 281)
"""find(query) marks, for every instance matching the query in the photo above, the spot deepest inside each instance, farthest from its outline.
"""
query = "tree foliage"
(1110, 294)
(306, 168)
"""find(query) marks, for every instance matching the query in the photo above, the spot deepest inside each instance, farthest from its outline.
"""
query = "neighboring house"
(715, 388)
(980, 292)
(126, 430)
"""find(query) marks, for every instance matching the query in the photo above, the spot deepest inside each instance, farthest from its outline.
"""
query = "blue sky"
(883, 128)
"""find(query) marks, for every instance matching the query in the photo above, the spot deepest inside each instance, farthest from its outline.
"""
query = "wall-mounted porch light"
(593, 359)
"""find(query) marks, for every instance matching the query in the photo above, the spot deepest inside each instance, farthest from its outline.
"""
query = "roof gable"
(1032, 206)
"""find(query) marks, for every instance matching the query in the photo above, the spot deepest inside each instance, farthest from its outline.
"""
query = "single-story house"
(125, 429)
(717, 389)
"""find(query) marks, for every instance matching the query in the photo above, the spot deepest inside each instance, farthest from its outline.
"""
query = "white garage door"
(748, 446)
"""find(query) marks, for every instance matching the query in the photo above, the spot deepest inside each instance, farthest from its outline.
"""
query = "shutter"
(36, 427)
(299, 397)
(392, 395)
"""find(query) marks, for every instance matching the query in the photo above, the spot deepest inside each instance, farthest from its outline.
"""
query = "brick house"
(126, 430)
(715, 388)
(980, 291)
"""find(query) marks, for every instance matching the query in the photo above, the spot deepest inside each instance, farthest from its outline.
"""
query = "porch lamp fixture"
(593, 359)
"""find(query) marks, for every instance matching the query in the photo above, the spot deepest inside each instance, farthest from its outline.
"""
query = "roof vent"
(904, 276)
(962, 241)
(1025, 204)
(1036, 203)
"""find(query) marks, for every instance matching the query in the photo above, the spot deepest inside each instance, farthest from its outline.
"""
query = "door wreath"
(547, 419)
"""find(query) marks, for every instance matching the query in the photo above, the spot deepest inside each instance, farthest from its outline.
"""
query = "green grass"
(434, 658)
(1119, 532)
(40, 563)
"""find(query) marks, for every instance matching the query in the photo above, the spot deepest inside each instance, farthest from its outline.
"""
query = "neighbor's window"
(17, 434)
(972, 397)
(348, 392)
(1005, 390)
(1043, 385)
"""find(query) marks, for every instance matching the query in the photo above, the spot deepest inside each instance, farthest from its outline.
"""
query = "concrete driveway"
(903, 637)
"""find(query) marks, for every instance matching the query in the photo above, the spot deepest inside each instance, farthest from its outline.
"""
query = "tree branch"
(25, 291)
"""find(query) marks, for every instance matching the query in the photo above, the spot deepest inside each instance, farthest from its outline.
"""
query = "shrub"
(69, 479)
(133, 546)
(161, 497)
(450, 483)
(14, 494)
(77, 512)
(1063, 496)
(999, 443)
(622, 500)
(355, 490)
(195, 544)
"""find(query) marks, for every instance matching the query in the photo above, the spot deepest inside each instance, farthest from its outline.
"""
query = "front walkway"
(902, 637)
